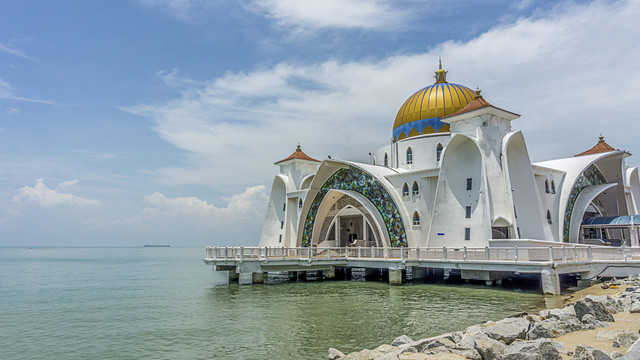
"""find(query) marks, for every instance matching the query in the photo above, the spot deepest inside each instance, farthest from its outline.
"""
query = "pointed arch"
(553, 187)
(549, 217)
(386, 159)
(405, 190)
(546, 186)
(415, 189)
(416, 218)
(409, 156)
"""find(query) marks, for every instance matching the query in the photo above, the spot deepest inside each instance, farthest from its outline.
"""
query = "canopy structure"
(611, 221)
(611, 230)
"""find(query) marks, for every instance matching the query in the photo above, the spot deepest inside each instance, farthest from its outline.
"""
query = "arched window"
(415, 190)
(416, 218)
(405, 190)
(300, 204)
(546, 186)
(549, 217)
(438, 152)
(409, 156)
(386, 159)
(553, 187)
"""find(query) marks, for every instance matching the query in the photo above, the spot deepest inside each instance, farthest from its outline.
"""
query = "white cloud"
(242, 206)
(9, 93)
(13, 111)
(15, 52)
(571, 74)
(183, 10)
(310, 14)
(41, 195)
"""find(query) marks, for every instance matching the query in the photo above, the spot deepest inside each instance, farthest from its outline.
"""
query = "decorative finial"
(601, 138)
(478, 91)
(441, 75)
(298, 147)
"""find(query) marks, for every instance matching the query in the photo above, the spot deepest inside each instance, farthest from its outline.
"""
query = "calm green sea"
(160, 303)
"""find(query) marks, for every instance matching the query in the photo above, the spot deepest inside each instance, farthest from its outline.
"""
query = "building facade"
(455, 174)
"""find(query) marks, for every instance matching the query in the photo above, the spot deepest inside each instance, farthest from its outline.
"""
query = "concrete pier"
(490, 265)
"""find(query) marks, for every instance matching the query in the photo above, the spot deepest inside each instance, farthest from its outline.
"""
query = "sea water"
(160, 303)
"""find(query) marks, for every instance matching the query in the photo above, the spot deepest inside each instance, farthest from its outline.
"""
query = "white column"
(337, 230)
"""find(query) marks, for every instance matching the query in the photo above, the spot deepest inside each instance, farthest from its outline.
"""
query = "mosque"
(455, 174)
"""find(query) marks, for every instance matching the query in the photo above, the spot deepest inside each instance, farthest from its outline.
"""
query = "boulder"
(588, 353)
(507, 330)
(632, 289)
(625, 304)
(635, 307)
(634, 352)
(384, 348)
(608, 334)
(335, 354)
(363, 355)
(590, 322)
(540, 349)
(625, 339)
(465, 353)
(559, 313)
(487, 347)
(401, 340)
(589, 306)
(609, 303)
(552, 328)
(421, 345)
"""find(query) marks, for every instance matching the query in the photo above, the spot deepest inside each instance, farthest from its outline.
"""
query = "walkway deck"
(489, 263)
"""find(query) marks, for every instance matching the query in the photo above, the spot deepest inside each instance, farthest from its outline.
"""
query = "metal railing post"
(551, 254)
(575, 254)
(486, 253)
(515, 259)
(329, 253)
(464, 254)
(444, 253)
(402, 254)
(359, 252)
(283, 250)
(589, 253)
(241, 253)
(564, 255)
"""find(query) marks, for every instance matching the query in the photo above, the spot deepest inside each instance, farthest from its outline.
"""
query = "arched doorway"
(346, 222)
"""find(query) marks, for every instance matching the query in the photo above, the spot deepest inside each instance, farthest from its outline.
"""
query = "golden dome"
(422, 111)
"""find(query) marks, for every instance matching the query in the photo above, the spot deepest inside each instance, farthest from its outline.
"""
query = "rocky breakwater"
(586, 329)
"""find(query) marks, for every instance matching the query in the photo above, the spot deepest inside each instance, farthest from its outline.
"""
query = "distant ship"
(153, 245)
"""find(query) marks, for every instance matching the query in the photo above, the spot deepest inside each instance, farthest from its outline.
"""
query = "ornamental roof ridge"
(600, 147)
(297, 155)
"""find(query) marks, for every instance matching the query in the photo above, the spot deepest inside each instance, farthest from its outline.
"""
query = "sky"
(128, 122)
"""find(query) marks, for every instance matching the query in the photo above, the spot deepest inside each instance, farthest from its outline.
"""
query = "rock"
(413, 356)
(635, 307)
(625, 339)
(364, 355)
(588, 353)
(470, 354)
(634, 352)
(421, 345)
(608, 302)
(625, 304)
(507, 330)
(607, 334)
(590, 322)
(335, 354)
(541, 349)
(559, 313)
(431, 357)
(589, 306)
(632, 289)
(401, 340)
(604, 286)
(552, 328)
(487, 347)
(384, 348)
(616, 355)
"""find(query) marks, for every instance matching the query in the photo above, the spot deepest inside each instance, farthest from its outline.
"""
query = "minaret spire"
(441, 75)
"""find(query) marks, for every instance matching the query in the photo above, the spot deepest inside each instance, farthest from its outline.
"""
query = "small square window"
(467, 233)
(469, 183)
(467, 213)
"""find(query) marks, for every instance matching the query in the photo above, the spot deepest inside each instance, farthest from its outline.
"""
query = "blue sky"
(158, 121)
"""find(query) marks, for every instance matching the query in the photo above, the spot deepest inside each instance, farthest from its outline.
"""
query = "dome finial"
(478, 91)
(601, 138)
(298, 147)
(441, 75)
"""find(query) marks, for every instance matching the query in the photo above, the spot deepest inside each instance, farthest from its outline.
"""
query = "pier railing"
(554, 254)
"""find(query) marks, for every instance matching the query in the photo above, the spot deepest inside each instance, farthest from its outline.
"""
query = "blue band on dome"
(419, 125)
